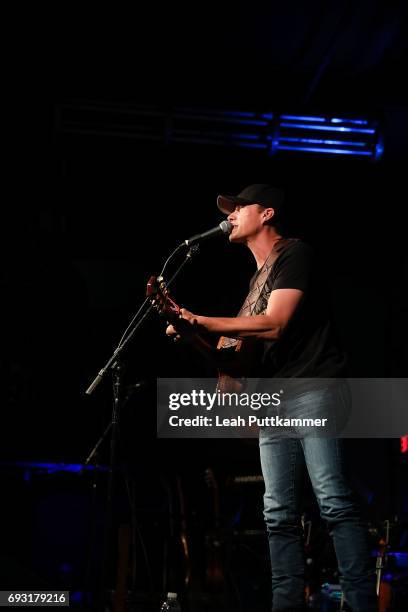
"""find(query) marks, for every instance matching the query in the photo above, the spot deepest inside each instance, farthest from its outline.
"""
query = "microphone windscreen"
(226, 227)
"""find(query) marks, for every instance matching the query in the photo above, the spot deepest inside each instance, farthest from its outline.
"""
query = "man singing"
(287, 317)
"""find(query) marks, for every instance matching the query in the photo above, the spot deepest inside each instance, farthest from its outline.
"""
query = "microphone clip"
(193, 250)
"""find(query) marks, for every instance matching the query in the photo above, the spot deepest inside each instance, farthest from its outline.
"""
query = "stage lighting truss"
(273, 133)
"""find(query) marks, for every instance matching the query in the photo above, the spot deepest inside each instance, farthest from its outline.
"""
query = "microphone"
(225, 227)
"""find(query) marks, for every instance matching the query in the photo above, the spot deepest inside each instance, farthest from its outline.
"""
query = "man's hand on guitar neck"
(185, 327)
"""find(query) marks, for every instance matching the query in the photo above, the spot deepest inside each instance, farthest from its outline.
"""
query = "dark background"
(89, 217)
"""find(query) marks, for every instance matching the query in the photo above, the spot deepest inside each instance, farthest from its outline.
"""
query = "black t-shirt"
(308, 346)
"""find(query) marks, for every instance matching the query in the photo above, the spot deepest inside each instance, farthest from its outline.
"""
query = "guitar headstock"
(159, 296)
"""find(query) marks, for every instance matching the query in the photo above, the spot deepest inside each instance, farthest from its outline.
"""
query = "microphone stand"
(114, 365)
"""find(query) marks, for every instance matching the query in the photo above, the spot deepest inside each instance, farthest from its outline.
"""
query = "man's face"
(247, 222)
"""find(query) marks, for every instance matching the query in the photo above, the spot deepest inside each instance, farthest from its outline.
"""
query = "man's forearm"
(258, 326)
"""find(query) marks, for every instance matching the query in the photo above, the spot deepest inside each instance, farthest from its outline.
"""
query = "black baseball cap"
(259, 193)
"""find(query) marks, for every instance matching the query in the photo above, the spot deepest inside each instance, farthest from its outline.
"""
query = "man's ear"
(268, 213)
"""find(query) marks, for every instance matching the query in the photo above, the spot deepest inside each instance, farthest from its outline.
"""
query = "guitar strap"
(254, 301)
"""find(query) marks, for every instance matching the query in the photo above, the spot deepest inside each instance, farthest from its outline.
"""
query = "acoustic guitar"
(234, 358)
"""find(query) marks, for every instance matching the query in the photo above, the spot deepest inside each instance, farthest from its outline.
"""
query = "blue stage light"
(302, 118)
(322, 150)
(329, 128)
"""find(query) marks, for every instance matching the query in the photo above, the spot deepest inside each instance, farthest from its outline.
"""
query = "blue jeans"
(283, 460)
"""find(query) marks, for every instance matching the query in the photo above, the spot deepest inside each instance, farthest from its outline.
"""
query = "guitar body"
(236, 362)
